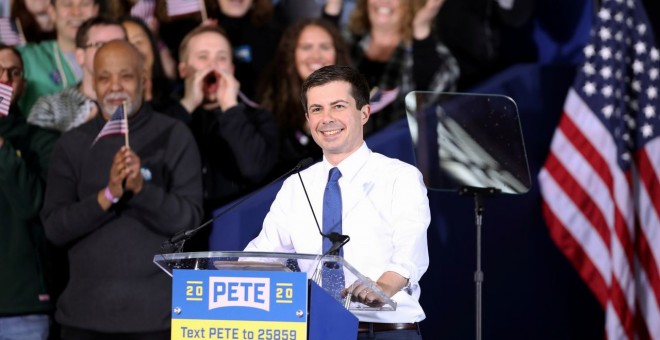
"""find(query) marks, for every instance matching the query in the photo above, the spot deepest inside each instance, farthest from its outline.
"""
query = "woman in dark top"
(158, 89)
(394, 46)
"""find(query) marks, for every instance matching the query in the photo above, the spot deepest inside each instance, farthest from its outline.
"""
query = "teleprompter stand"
(478, 194)
(471, 144)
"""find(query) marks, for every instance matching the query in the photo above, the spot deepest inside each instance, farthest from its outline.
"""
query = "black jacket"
(238, 147)
(24, 288)
(114, 286)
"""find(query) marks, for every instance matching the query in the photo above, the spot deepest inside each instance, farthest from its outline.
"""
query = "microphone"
(338, 240)
(185, 235)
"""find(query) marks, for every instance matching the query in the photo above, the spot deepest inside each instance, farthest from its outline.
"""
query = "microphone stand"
(178, 239)
(338, 241)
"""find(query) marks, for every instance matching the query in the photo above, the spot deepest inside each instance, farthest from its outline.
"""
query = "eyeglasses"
(14, 72)
(96, 45)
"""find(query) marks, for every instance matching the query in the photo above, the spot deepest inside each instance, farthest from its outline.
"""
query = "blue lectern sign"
(237, 304)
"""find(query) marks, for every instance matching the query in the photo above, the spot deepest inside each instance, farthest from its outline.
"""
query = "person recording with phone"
(238, 141)
(379, 202)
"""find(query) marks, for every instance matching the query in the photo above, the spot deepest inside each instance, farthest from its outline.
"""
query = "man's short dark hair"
(82, 35)
(328, 74)
(13, 50)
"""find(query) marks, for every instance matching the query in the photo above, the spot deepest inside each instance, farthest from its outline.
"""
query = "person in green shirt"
(51, 65)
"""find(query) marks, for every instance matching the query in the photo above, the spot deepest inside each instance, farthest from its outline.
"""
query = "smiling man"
(383, 205)
(51, 65)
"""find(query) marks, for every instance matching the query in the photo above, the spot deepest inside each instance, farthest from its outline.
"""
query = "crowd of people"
(214, 111)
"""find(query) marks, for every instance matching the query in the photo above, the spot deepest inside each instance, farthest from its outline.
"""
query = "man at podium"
(379, 202)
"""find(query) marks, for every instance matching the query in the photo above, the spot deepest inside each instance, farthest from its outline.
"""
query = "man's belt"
(364, 327)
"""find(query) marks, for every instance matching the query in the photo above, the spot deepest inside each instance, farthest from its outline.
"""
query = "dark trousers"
(392, 335)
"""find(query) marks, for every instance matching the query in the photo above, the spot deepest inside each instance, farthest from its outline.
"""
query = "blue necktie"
(331, 207)
(332, 273)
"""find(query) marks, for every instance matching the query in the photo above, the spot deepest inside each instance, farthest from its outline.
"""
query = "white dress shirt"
(385, 211)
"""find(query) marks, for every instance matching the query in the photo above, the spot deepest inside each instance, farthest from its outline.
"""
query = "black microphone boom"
(188, 233)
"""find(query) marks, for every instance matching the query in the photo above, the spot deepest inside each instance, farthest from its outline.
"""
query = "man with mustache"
(112, 206)
(51, 65)
(238, 141)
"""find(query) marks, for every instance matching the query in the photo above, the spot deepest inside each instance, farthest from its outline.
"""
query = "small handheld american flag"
(382, 98)
(116, 125)
(6, 92)
(145, 10)
(10, 32)
(180, 7)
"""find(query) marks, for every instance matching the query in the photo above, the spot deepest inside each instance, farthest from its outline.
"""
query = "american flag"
(180, 7)
(145, 10)
(5, 98)
(116, 125)
(9, 32)
(600, 183)
(382, 98)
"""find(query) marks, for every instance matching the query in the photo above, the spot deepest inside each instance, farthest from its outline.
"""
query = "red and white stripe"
(145, 10)
(116, 125)
(180, 7)
(9, 34)
(606, 220)
(6, 92)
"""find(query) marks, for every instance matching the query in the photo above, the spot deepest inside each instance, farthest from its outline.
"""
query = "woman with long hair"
(36, 23)
(124, 8)
(306, 46)
(159, 87)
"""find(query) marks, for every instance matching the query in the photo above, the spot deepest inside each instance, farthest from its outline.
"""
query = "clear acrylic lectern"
(263, 261)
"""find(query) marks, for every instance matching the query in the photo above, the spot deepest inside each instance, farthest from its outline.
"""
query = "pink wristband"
(109, 196)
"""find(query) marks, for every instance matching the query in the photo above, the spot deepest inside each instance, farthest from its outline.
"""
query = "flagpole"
(202, 7)
(126, 118)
